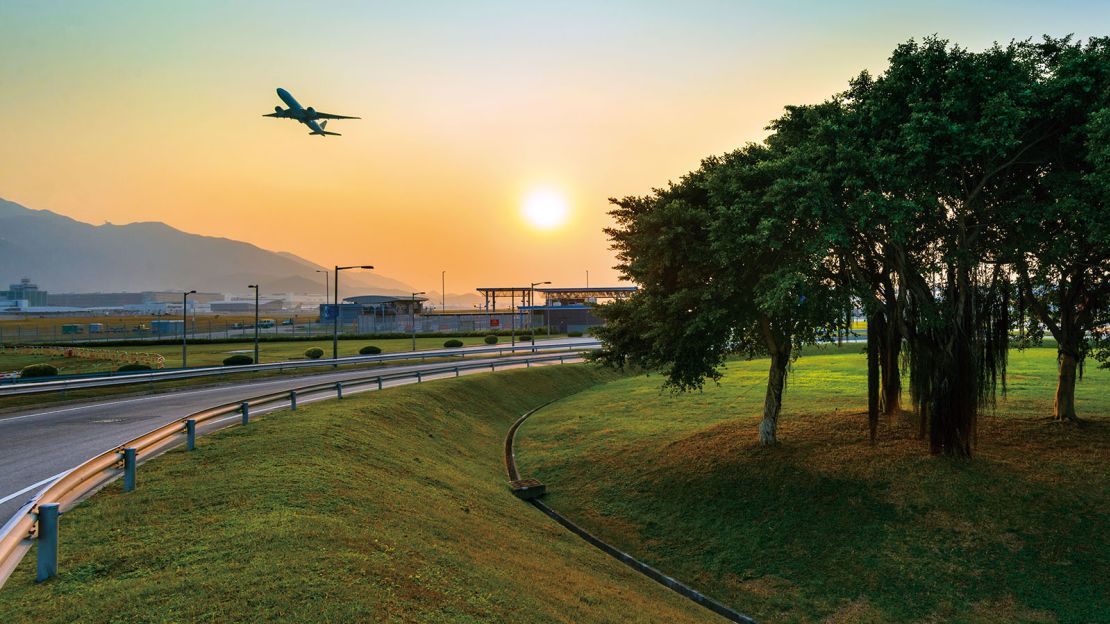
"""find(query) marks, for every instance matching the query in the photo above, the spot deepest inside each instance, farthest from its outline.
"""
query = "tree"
(722, 270)
(1060, 241)
(949, 139)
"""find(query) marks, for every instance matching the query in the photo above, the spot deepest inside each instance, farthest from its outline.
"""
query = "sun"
(545, 209)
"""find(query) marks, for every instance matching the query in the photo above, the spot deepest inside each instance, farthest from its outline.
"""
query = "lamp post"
(184, 321)
(587, 278)
(335, 323)
(412, 312)
(255, 287)
(327, 287)
(532, 303)
(442, 291)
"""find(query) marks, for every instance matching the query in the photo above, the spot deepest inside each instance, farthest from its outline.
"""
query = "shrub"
(491, 339)
(574, 334)
(314, 353)
(370, 350)
(133, 366)
(453, 343)
(38, 370)
(524, 338)
(238, 359)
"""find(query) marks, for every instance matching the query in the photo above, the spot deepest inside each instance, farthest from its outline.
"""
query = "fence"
(37, 520)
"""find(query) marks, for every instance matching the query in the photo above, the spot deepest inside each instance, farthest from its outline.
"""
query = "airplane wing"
(320, 115)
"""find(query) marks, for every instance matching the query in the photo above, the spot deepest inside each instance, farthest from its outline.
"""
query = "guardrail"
(37, 520)
(16, 387)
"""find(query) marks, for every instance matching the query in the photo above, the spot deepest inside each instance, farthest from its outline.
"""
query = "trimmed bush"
(574, 334)
(238, 359)
(314, 353)
(453, 343)
(490, 339)
(524, 338)
(38, 370)
(133, 366)
(369, 350)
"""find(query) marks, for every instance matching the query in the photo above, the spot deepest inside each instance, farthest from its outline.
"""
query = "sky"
(151, 111)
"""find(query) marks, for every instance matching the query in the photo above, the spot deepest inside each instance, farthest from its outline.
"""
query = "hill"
(62, 254)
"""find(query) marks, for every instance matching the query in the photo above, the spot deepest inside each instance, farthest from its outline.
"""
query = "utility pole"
(255, 287)
(412, 313)
(185, 321)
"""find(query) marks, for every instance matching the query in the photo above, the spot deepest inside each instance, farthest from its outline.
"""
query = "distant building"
(245, 306)
(375, 306)
(27, 291)
(572, 309)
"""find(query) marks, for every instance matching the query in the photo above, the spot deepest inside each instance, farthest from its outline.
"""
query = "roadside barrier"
(530, 490)
(37, 520)
(13, 387)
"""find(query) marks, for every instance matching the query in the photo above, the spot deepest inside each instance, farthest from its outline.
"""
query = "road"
(38, 445)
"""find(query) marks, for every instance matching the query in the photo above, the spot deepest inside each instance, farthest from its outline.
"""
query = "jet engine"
(277, 109)
(311, 111)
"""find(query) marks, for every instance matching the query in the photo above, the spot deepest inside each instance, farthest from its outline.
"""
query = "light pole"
(184, 321)
(335, 323)
(532, 303)
(326, 286)
(412, 312)
(442, 291)
(255, 287)
(587, 278)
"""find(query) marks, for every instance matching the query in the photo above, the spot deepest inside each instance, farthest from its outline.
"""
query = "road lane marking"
(33, 486)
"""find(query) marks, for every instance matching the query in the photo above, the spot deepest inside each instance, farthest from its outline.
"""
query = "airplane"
(308, 116)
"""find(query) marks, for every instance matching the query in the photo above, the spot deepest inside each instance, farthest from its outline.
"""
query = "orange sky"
(133, 111)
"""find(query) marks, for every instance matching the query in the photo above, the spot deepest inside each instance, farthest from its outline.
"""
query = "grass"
(213, 354)
(827, 528)
(389, 506)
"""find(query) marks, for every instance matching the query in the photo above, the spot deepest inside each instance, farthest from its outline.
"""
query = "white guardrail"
(37, 520)
(14, 387)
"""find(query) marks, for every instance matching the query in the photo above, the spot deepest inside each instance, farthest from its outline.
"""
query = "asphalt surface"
(38, 445)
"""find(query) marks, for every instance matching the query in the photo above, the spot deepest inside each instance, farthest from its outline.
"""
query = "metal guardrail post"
(418, 377)
(379, 383)
(190, 434)
(246, 409)
(129, 469)
(47, 539)
(293, 400)
(339, 390)
(456, 371)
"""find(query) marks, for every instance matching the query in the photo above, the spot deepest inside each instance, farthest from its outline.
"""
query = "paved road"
(37, 445)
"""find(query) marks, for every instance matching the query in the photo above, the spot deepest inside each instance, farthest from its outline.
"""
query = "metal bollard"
(293, 400)
(246, 409)
(47, 539)
(338, 390)
(190, 434)
(128, 469)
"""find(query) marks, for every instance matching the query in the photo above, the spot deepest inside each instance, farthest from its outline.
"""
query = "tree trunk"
(873, 376)
(772, 405)
(1064, 407)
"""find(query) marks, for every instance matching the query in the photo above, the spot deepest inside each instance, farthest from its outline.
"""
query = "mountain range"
(61, 254)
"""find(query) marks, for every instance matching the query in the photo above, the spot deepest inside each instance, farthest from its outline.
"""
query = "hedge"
(453, 343)
(314, 353)
(38, 370)
(238, 360)
(370, 350)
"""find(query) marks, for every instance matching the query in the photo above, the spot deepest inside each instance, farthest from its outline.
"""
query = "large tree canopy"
(942, 198)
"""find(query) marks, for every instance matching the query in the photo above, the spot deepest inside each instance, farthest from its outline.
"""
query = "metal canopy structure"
(602, 292)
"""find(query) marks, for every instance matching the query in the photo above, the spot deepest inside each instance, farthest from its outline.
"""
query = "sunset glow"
(545, 209)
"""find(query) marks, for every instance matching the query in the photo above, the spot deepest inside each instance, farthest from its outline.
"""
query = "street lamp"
(335, 324)
(412, 312)
(255, 287)
(442, 290)
(326, 286)
(532, 303)
(184, 321)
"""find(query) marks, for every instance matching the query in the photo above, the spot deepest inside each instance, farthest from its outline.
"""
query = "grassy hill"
(827, 527)
(389, 506)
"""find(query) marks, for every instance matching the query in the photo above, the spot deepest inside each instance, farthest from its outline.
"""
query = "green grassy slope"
(826, 526)
(388, 506)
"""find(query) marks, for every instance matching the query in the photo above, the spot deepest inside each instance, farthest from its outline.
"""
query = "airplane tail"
(323, 130)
